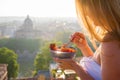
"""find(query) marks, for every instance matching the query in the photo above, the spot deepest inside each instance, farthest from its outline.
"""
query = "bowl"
(62, 55)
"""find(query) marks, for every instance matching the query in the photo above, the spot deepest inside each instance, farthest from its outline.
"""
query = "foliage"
(63, 36)
(9, 57)
(43, 58)
(91, 45)
(21, 44)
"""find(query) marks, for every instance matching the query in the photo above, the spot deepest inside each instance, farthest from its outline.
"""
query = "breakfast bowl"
(62, 52)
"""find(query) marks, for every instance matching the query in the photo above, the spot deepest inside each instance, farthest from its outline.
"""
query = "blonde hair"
(100, 17)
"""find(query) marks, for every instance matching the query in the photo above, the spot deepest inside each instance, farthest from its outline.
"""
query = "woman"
(101, 19)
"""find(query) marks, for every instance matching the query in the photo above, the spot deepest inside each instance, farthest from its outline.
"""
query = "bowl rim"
(60, 51)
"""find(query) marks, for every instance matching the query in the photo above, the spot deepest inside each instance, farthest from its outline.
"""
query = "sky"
(38, 8)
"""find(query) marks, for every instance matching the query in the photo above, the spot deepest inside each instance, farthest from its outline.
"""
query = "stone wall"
(3, 72)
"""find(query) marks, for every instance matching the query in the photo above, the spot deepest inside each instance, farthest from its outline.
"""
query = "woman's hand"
(81, 42)
(79, 39)
(71, 64)
(66, 63)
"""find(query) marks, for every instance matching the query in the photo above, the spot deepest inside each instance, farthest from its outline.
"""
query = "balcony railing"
(3, 71)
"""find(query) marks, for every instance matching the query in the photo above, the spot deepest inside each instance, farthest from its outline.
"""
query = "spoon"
(68, 43)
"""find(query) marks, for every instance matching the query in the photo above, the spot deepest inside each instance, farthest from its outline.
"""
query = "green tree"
(21, 44)
(9, 57)
(43, 57)
(63, 36)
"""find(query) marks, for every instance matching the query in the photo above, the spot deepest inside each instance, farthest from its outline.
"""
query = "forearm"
(86, 50)
(82, 73)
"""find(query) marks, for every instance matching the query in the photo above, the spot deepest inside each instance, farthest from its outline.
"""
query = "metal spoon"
(68, 43)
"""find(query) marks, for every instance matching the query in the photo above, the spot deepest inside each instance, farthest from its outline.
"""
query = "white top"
(91, 67)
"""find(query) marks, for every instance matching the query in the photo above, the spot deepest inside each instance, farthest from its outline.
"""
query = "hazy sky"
(38, 8)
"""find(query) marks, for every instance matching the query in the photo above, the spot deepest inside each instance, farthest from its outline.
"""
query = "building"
(27, 30)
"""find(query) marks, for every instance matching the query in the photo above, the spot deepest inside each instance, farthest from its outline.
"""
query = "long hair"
(100, 17)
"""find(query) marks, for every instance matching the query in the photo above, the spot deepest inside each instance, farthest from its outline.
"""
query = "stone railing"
(3, 72)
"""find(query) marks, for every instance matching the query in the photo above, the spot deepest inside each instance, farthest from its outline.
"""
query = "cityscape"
(23, 35)
(27, 27)
(31, 27)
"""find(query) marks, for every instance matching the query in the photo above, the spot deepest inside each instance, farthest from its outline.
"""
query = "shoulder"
(110, 57)
(110, 48)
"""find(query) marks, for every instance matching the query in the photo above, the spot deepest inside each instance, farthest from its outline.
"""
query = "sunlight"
(44, 8)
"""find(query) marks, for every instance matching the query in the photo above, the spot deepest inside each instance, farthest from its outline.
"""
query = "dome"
(28, 23)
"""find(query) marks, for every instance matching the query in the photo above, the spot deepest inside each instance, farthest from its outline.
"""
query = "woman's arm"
(110, 60)
(71, 64)
(81, 42)
(86, 50)
(82, 73)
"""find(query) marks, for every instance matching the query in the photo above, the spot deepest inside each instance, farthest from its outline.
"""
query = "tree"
(43, 58)
(63, 36)
(21, 44)
(9, 57)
